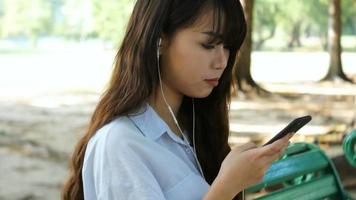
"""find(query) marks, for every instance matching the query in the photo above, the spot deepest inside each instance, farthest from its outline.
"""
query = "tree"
(294, 18)
(26, 18)
(265, 22)
(334, 42)
(348, 17)
(242, 70)
(318, 20)
(290, 18)
(111, 17)
(76, 21)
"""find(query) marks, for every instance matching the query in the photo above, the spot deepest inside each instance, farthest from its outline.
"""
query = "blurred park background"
(56, 56)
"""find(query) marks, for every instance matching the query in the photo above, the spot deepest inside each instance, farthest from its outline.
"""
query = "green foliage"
(265, 20)
(26, 18)
(317, 11)
(111, 18)
(298, 18)
(312, 15)
(77, 19)
(348, 17)
(107, 19)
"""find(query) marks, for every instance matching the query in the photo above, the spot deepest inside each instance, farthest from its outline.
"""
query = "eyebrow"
(213, 34)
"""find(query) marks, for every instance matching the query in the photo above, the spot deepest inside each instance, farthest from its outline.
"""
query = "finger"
(284, 149)
(290, 135)
(273, 148)
(267, 162)
(269, 159)
(282, 152)
(247, 146)
(287, 137)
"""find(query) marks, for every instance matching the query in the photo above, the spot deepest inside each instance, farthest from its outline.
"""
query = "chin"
(202, 94)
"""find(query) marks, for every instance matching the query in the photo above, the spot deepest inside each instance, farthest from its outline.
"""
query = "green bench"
(304, 172)
(349, 146)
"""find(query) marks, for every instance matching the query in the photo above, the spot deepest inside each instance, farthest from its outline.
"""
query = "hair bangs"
(229, 23)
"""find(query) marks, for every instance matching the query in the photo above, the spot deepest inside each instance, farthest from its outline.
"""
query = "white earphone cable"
(176, 121)
(173, 116)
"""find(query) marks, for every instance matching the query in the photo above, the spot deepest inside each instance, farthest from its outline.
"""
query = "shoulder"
(115, 135)
(121, 127)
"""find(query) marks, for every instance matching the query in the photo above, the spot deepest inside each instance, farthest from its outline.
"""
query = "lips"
(213, 82)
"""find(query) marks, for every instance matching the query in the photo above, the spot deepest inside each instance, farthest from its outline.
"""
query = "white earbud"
(159, 44)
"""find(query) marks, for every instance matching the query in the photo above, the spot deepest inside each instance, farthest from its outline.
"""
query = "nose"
(221, 58)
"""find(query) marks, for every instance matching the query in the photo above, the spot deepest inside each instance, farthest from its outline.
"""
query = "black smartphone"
(292, 127)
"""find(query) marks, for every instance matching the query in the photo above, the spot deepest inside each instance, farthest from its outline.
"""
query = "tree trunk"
(295, 35)
(262, 39)
(324, 40)
(242, 70)
(334, 42)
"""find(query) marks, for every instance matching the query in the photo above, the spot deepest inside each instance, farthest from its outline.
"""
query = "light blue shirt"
(138, 157)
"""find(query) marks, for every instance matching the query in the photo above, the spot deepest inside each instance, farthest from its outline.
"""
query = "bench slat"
(316, 189)
(296, 165)
(291, 167)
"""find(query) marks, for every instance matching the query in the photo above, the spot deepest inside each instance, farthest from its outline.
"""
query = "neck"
(174, 99)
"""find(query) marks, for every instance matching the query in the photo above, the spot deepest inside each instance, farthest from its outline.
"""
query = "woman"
(160, 131)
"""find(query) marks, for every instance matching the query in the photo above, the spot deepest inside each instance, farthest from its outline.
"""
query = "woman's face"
(190, 65)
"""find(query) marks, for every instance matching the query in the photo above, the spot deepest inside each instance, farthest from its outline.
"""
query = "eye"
(208, 46)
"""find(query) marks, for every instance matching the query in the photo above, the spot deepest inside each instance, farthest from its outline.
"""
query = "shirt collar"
(152, 125)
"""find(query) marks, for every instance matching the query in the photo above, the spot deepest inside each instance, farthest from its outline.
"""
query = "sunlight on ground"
(57, 101)
(295, 66)
(34, 74)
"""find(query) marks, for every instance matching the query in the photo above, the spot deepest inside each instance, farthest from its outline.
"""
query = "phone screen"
(292, 127)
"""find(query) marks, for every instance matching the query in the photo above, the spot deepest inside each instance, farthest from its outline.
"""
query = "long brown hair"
(135, 79)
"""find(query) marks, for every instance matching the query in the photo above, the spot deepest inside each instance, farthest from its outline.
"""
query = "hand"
(246, 165)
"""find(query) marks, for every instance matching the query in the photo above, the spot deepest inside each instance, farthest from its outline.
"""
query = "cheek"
(186, 69)
(186, 64)
(193, 62)
(192, 71)
(189, 78)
